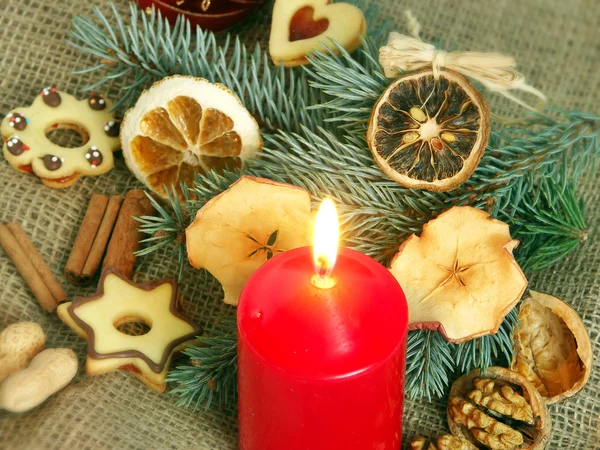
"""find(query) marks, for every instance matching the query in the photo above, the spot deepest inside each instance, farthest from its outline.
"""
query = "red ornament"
(212, 15)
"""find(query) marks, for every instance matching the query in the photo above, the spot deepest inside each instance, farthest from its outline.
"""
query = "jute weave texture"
(556, 45)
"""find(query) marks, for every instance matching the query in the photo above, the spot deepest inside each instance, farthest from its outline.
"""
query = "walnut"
(501, 399)
(499, 410)
(420, 443)
(552, 347)
(486, 430)
(444, 442)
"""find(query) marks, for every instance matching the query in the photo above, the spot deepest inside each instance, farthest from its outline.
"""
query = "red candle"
(321, 357)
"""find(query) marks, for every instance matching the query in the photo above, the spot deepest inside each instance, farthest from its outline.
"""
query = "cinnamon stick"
(26, 268)
(85, 239)
(38, 263)
(125, 240)
(102, 236)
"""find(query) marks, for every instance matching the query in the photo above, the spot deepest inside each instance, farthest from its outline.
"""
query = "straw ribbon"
(496, 72)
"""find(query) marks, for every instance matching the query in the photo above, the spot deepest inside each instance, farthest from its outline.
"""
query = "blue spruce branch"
(314, 123)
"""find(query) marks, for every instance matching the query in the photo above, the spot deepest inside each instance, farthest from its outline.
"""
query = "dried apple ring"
(460, 276)
(237, 231)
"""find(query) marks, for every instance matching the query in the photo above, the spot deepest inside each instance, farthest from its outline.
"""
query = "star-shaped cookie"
(119, 301)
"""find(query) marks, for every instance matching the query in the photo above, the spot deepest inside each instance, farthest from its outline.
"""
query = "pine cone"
(501, 411)
(445, 442)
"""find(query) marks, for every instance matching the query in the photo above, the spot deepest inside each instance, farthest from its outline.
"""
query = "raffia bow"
(496, 72)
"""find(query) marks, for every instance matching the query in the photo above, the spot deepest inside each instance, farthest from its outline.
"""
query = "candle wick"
(323, 280)
(322, 277)
(322, 266)
(322, 272)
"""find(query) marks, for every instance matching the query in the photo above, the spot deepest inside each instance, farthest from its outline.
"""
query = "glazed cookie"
(119, 301)
(28, 149)
(300, 27)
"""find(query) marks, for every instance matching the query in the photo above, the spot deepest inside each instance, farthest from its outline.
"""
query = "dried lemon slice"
(427, 133)
(184, 126)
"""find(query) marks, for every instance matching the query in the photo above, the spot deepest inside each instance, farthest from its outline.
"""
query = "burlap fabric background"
(556, 45)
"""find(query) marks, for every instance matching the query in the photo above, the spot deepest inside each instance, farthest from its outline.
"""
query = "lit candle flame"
(326, 239)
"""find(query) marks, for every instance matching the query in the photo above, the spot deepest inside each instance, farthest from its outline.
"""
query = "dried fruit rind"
(427, 132)
(519, 421)
(552, 347)
(184, 126)
(460, 275)
(237, 231)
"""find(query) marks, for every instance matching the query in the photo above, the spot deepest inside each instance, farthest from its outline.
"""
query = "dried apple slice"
(552, 347)
(460, 276)
(237, 231)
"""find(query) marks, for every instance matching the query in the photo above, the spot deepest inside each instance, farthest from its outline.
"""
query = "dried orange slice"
(184, 126)
(429, 134)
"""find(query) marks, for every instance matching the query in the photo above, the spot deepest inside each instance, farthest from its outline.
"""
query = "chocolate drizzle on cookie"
(112, 128)
(94, 156)
(51, 97)
(52, 162)
(156, 367)
(17, 121)
(96, 101)
(15, 146)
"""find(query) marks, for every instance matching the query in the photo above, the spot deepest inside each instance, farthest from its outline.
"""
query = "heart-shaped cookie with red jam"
(300, 27)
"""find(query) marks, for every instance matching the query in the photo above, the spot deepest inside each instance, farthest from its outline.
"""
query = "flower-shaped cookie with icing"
(28, 149)
(300, 27)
